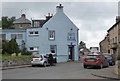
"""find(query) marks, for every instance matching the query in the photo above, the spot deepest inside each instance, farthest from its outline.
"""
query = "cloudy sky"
(92, 18)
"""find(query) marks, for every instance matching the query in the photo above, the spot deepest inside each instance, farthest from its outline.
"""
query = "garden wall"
(15, 62)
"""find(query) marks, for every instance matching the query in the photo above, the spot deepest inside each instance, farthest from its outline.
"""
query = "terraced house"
(56, 34)
(111, 43)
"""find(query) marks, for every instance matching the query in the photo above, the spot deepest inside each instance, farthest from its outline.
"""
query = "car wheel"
(101, 65)
(107, 65)
(45, 64)
(33, 65)
(112, 64)
(85, 66)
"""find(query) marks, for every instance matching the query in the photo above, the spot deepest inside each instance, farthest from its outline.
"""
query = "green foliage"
(13, 46)
(5, 48)
(0, 43)
(7, 23)
(24, 49)
(5, 56)
(10, 47)
(0, 24)
(26, 53)
(82, 45)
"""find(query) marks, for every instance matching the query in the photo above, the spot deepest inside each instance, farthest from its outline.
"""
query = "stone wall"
(117, 68)
(15, 62)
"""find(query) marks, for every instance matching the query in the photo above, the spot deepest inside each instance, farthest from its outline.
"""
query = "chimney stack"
(59, 8)
(117, 18)
(48, 17)
(23, 15)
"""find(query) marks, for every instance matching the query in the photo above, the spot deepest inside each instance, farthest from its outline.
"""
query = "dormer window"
(51, 35)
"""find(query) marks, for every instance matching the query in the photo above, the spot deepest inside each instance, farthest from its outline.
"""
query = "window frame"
(53, 47)
(33, 33)
(35, 48)
(51, 37)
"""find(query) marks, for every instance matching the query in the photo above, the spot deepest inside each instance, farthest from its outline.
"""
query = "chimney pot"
(59, 8)
(48, 14)
(117, 18)
(23, 15)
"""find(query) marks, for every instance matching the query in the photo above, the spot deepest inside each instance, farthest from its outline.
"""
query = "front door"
(71, 52)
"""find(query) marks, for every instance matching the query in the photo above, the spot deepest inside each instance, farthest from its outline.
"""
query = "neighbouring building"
(58, 35)
(105, 45)
(40, 23)
(114, 37)
(22, 22)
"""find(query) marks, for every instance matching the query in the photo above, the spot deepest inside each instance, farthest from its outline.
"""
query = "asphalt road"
(68, 70)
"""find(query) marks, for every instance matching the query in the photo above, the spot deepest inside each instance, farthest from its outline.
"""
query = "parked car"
(43, 59)
(40, 60)
(95, 60)
(110, 59)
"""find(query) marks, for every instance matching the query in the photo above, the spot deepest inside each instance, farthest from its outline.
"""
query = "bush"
(10, 47)
(26, 53)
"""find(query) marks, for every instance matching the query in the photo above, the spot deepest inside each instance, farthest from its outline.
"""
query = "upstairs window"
(71, 37)
(30, 33)
(33, 33)
(51, 35)
(36, 24)
(36, 32)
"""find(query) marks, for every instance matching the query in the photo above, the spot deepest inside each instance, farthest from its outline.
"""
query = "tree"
(5, 48)
(0, 23)
(7, 23)
(13, 46)
(82, 45)
(23, 48)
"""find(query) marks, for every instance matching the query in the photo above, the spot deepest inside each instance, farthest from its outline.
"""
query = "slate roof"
(22, 20)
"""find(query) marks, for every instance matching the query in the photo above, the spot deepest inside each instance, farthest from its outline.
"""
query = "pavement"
(14, 67)
(103, 73)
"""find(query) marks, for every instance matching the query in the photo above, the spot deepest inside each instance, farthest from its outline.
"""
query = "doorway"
(71, 52)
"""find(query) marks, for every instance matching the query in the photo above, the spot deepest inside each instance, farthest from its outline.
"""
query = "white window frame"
(36, 24)
(51, 35)
(33, 33)
(53, 47)
(71, 36)
(36, 48)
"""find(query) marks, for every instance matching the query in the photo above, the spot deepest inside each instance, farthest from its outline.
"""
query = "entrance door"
(71, 52)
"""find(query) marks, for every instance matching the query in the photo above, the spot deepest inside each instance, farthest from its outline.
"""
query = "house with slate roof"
(58, 35)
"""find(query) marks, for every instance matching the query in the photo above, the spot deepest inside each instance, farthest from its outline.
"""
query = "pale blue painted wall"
(8, 33)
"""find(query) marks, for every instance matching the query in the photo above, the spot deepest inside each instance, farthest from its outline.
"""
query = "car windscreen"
(37, 56)
(91, 57)
(108, 56)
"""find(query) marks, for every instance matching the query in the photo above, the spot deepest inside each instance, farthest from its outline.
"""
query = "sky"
(92, 18)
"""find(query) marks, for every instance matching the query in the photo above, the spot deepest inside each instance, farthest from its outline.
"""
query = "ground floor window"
(33, 48)
(53, 48)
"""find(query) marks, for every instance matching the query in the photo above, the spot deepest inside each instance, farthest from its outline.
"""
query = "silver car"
(40, 60)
